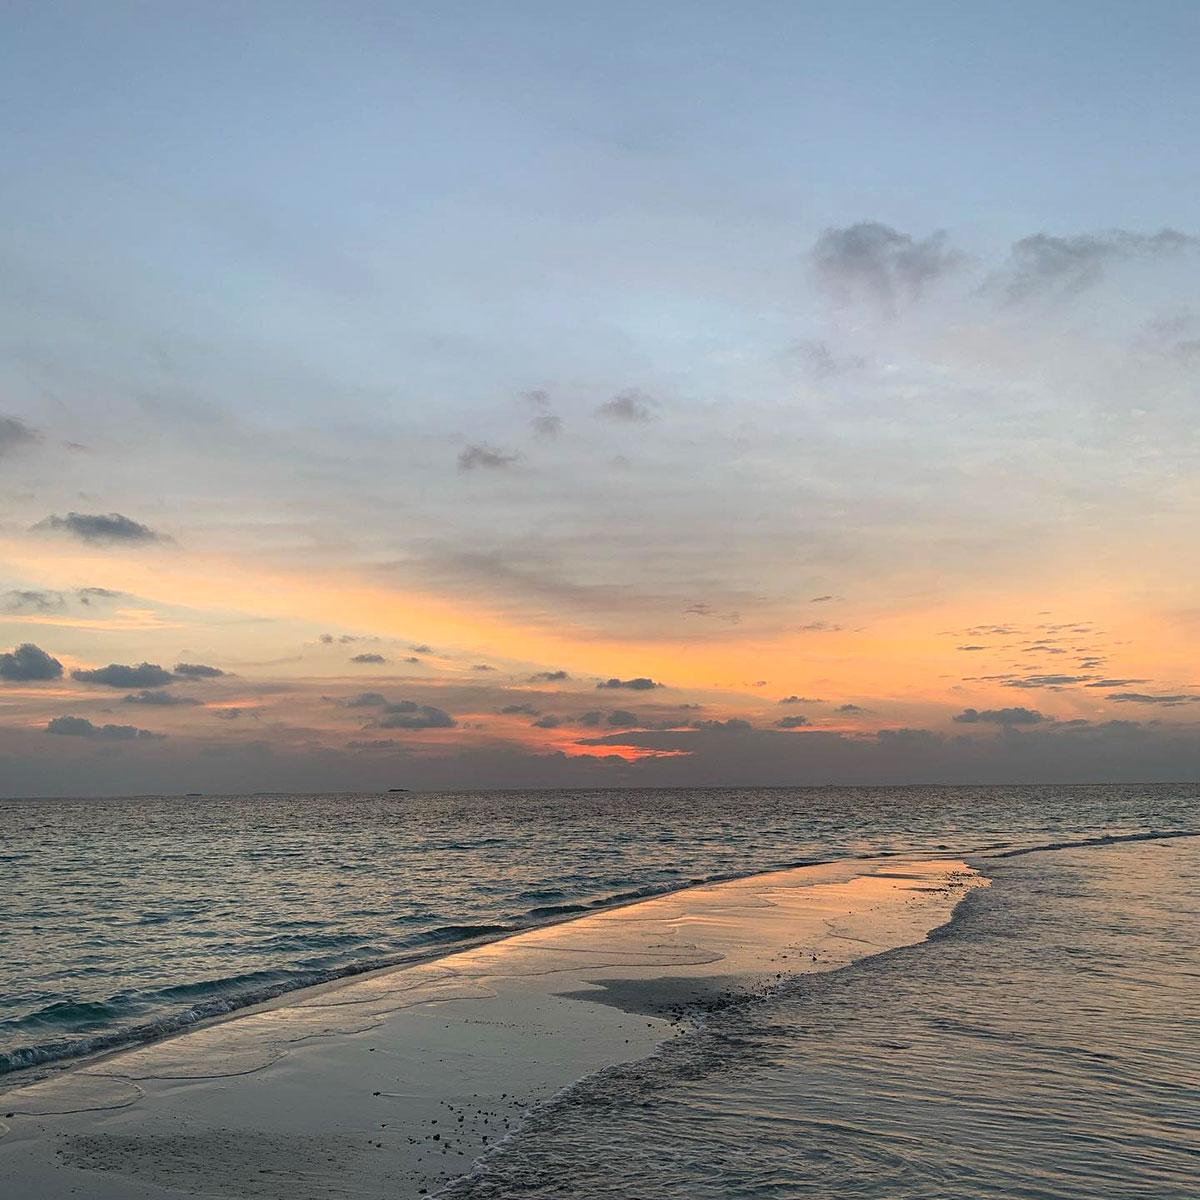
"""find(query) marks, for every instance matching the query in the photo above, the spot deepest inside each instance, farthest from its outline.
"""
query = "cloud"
(82, 727)
(823, 599)
(733, 725)
(621, 718)
(365, 700)
(801, 700)
(630, 406)
(482, 667)
(970, 647)
(1056, 267)
(1046, 681)
(227, 714)
(820, 627)
(159, 699)
(549, 677)
(117, 675)
(906, 739)
(796, 722)
(547, 722)
(707, 610)
(1142, 698)
(479, 454)
(1113, 683)
(1001, 716)
(640, 684)
(874, 262)
(101, 528)
(198, 671)
(546, 422)
(371, 659)
(27, 662)
(591, 719)
(849, 709)
(13, 433)
(519, 710)
(422, 649)
(820, 361)
(87, 594)
(29, 601)
(407, 714)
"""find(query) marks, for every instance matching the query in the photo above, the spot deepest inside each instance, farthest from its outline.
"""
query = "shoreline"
(180, 1024)
(231, 1008)
(294, 1090)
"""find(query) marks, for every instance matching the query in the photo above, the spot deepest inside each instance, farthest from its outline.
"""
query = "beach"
(396, 1082)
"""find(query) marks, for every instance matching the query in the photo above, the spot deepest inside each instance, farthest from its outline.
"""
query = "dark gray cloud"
(820, 627)
(1046, 681)
(15, 433)
(850, 709)
(640, 684)
(905, 739)
(1001, 716)
(591, 719)
(519, 710)
(422, 649)
(801, 700)
(370, 659)
(101, 528)
(546, 422)
(198, 671)
(970, 647)
(88, 594)
(27, 663)
(227, 714)
(482, 667)
(733, 725)
(159, 699)
(372, 745)
(1143, 698)
(118, 675)
(706, 610)
(796, 722)
(547, 722)
(820, 361)
(630, 407)
(480, 454)
(1113, 683)
(30, 601)
(82, 727)
(621, 718)
(407, 714)
(549, 677)
(1056, 267)
(365, 700)
(876, 263)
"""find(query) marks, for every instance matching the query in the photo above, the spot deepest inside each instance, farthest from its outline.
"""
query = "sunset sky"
(442, 395)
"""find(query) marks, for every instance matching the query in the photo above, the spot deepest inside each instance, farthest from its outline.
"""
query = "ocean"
(1046, 1043)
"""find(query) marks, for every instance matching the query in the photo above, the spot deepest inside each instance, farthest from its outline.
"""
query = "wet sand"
(390, 1084)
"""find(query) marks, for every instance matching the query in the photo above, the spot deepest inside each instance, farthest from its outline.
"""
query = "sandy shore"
(391, 1083)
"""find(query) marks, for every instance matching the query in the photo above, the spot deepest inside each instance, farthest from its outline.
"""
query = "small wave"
(1112, 839)
(558, 910)
(461, 933)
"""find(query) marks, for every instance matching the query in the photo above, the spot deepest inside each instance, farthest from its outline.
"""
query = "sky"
(537, 395)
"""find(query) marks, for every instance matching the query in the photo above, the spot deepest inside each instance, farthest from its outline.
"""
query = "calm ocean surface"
(1046, 1044)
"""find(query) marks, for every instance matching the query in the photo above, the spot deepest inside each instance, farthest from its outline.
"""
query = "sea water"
(1044, 1044)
